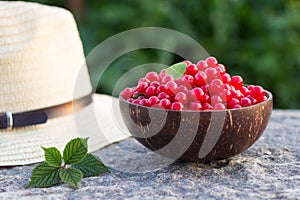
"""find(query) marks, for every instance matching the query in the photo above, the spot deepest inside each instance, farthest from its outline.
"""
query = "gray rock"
(270, 169)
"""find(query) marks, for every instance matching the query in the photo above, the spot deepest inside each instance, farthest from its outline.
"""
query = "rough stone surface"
(270, 169)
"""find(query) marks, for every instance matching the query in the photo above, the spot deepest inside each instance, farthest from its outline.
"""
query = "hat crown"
(41, 57)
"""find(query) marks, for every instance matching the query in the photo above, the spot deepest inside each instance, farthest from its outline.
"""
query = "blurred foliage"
(260, 40)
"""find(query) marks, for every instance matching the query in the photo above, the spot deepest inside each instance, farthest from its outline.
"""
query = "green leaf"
(53, 156)
(91, 166)
(78, 164)
(75, 151)
(44, 175)
(138, 95)
(84, 141)
(177, 70)
(71, 176)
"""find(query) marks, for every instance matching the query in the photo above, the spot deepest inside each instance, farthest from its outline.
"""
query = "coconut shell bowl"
(197, 135)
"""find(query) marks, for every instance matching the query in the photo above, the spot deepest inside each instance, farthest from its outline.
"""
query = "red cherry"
(205, 89)
(130, 100)
(237, 106)
(250, 87)
(191, 69)
(142, 86)
(236, 94)
(200, 79)
(193, 90)
(245, 102)
(144, 102)
(219, 106)
(135, 93)
(153, 100)
(221, 69)
(187, 62)
(264, 98)
(253, 100)
(144, 80)
(181, 97)
(127, 93)
(226, 78)
(165, 103)
(155, 83)
(215, 99)
(199, 93)
(195, 105)
(191, 95)
(207, 106)
(141, 97)
(151, 91)
(211, 73)
(162, 74)
(206, 98)
(163, 95)
(152, 76)
(202, 65)
(232, 102)
(237, 82)
(177, 106)
(257, 92)
(226, 95)
(212, 61)
(136, 101)
(244, 90)
(182, 88)
(180, 81)
(171, 87)
(189, 80)
(216, 86)
(227, 86)
(161, 89)
(166, 78)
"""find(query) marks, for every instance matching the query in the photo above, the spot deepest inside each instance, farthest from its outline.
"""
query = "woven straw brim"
(21, 146)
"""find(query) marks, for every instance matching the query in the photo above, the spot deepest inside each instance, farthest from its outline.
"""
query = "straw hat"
(41, 58)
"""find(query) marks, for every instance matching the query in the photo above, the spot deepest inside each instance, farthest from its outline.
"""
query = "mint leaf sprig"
(70, 168)
(177, 70)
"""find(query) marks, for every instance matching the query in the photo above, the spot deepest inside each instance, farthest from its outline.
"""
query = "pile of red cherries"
(203, 86)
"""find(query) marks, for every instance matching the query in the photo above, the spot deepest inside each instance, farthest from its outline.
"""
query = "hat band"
(12, 120)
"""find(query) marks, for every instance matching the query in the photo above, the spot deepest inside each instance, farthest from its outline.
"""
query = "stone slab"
(270, 169)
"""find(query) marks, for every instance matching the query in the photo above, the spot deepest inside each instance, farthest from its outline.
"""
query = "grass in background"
(259, 40)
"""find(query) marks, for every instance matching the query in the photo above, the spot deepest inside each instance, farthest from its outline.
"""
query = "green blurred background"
(259, 40)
